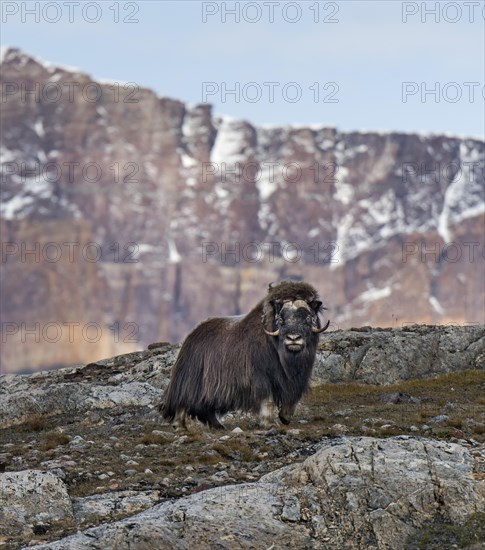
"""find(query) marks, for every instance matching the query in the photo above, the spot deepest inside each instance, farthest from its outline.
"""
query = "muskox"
(250, 362)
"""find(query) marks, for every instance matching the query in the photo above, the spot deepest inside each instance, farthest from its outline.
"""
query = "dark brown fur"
(227, 364)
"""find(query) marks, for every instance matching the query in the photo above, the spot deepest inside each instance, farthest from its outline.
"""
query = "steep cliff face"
(146, 216)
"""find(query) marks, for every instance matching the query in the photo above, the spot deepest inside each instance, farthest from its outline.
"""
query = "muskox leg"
(209, 417)
(286, 413)
(267, 413)
(181, 419)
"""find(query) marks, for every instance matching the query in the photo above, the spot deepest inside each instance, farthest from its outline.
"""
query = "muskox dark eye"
(308, 319)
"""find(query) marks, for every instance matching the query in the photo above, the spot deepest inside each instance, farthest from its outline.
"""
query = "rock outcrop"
(353, 493)
(31, 501)
(132, 380)
(365, 355)
(385, 356)
(134, 217)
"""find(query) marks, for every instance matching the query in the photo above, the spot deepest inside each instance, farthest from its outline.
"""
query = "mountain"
(129, 217)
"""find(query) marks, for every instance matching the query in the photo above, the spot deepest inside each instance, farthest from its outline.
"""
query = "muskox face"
(296, 324)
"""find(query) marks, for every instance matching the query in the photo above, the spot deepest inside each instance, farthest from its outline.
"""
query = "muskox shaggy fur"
(248, 363)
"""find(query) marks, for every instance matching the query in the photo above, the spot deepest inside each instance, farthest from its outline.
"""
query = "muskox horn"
(275, 333)
(323, 329)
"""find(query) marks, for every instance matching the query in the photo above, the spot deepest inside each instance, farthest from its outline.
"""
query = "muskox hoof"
(267, 423)
(217, 426)
(180, 423)
(284, 420)
(210, 418)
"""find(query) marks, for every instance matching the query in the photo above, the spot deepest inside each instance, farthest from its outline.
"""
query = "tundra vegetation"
(111, 447)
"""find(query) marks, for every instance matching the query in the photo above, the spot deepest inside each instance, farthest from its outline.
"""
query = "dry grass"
(152, 439)
(390, 431)
(438, 536)
(354, 404)
(194, 437)
(456, 422)
(167, 462)
(207, 459)
(36, 423)
(53, 440)
(235, 449)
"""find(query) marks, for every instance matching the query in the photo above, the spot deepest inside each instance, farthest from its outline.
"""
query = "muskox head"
(292, 319)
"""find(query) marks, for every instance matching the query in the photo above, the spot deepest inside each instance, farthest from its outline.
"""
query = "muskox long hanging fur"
(243, 363)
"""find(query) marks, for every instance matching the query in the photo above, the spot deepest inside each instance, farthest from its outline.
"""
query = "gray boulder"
(111, 506)
(130, 380)
(32, 501)
(386, 356)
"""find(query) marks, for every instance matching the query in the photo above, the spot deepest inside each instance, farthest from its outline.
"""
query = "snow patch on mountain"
(437, 307)
(465, 194)
(229, 144)
(374, 294)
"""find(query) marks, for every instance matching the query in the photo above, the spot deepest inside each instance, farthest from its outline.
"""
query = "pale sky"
(379, 65)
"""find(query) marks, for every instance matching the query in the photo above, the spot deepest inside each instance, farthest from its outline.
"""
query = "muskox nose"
(294, 342)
